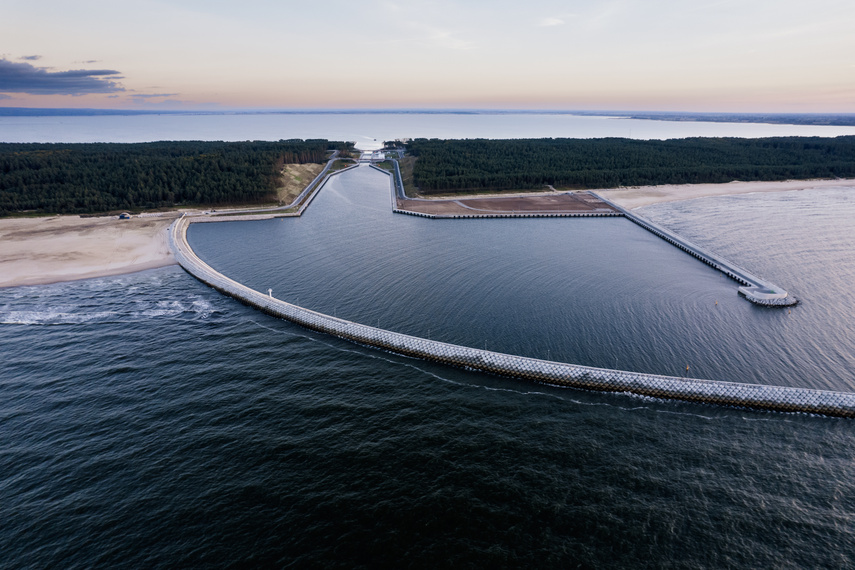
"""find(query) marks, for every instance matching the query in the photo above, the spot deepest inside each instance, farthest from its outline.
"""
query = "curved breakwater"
(763, 397)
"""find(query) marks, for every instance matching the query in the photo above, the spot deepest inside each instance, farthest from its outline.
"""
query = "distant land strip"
(819, 119)
(85, 178)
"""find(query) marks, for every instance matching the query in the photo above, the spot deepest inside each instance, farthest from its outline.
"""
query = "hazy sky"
(679, 55)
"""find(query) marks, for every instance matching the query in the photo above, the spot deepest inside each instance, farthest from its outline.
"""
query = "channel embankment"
(589, 204)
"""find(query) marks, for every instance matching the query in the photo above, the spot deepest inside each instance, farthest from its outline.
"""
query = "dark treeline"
(98, 177)
(459, 165)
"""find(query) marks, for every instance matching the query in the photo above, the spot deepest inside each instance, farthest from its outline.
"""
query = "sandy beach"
(636, 197)
(64, 248)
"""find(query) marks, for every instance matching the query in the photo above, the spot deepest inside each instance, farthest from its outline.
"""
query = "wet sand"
(64, 248)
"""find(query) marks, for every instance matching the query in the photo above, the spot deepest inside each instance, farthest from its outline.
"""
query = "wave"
(83, 313)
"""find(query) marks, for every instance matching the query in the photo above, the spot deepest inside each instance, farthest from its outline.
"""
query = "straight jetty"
(756, 290)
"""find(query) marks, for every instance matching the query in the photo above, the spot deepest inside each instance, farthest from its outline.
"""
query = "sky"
(645, 55)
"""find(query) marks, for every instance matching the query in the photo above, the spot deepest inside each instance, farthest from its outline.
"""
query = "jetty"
(756, 290)
(753, 288)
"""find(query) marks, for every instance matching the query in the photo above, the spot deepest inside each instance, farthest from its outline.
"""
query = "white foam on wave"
(45, 311)
(199, 307)
(125, 298)
(53, 317)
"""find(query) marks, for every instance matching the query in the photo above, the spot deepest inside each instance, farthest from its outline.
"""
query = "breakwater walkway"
(755, 396)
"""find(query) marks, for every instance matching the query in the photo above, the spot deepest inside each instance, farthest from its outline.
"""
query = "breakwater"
(756, 290)
(763, 397)
(509, 215)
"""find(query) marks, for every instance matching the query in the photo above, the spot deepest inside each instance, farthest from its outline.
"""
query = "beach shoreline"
(40, 251)
(640, 196)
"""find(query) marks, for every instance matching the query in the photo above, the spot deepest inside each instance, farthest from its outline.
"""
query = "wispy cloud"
(152, 95)
(548, 22)
(446, 39)
(26, 78)
(4, 96)
(30, 57)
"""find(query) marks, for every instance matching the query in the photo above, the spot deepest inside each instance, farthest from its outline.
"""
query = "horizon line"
(67, 111)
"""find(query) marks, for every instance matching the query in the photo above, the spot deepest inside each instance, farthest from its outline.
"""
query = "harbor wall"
(756, 290)
(755, 396)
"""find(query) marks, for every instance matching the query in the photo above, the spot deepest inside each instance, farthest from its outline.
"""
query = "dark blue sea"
(148, 421)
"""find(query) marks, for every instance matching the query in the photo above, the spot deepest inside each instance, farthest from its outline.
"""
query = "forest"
(101, 177)
(478, 165)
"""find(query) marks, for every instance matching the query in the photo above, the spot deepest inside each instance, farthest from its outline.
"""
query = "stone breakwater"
(755, 396)
(756, 290)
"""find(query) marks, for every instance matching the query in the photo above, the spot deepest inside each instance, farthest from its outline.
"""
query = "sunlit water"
(370, 130)
(146, 420)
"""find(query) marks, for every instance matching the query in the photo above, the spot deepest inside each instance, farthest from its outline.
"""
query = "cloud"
(3, 96)
(25, 78)
(445, 39)
(152, 95)
(30, 57)
(546, 22)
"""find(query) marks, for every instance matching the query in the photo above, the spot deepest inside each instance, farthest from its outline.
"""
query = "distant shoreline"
(817, 119)
(39, 251)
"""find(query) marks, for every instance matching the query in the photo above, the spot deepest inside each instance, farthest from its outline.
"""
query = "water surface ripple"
(148, 421)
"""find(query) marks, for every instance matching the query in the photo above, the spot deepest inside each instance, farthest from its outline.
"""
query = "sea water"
(370, 130)
(146, 420)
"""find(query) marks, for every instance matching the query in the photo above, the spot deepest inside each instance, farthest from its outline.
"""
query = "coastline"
(640, 196)
(39, 251)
